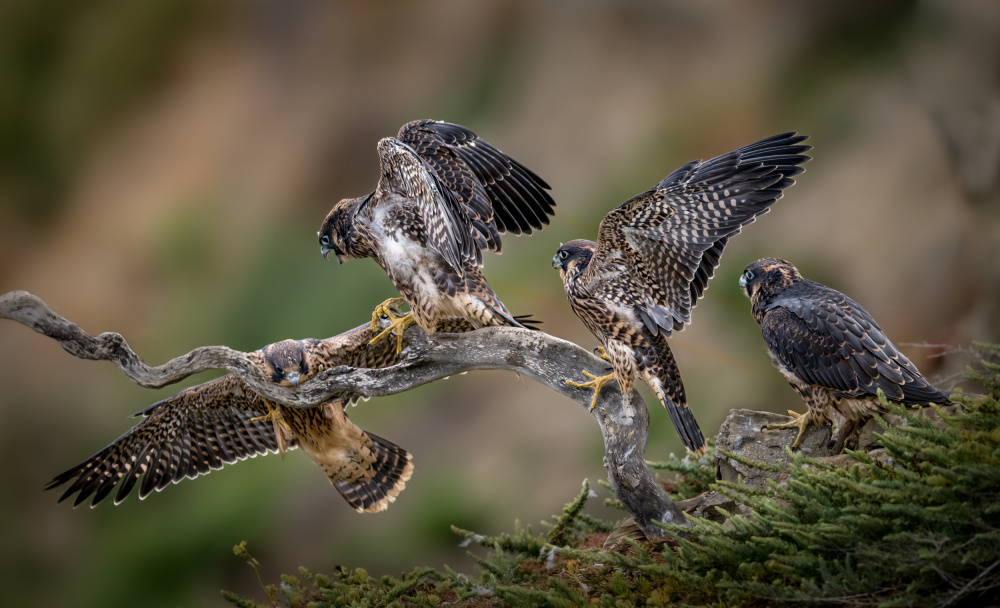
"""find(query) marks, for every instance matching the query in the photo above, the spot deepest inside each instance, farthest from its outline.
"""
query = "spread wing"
(430, 212)
(827, 339)
(498, 193)
(190, 434)
(672, 237)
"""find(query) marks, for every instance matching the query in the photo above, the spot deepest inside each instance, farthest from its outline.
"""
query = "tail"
(386, 469)
(665, 380)
(527, 322)
(483, 307)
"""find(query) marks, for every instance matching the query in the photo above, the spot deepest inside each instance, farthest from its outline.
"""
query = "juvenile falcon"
(222, 421)
(830, 350)
(654, 256)
(444, 195)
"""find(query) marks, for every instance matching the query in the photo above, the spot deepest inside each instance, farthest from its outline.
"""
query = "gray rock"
(742, 434)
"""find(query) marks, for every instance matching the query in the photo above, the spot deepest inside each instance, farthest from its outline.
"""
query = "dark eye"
(324, 240)
(748, 274)
(563, 254)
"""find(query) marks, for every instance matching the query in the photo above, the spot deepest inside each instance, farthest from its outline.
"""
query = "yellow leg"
(273, 415)
(595, 382)
(801, 421)
(281, 427)
(397, 324)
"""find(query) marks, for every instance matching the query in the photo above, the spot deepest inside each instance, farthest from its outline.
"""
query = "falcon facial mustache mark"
(443, 196)
(654, 256)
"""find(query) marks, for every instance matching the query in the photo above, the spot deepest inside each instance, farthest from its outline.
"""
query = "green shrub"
(917, 525)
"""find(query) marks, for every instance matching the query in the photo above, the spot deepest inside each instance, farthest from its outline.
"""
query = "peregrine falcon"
(654, 256)
(222, 421)
(830, 350)
(444, 195)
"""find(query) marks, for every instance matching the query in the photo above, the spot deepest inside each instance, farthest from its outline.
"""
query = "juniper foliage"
(917, 525)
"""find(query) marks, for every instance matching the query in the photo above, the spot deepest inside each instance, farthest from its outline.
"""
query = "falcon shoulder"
(407, 178)
(499, 193)
(828, 339)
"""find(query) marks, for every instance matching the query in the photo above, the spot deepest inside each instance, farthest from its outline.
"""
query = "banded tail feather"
(386, 469)
(665, 380)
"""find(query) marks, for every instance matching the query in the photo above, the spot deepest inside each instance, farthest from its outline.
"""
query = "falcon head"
(767, 277)
(572, 258)
(337, 233)
(286, 362)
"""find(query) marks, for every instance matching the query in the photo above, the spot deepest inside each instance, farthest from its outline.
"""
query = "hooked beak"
(293, 377)
(743, 283)
(325, 251)
(556, 262)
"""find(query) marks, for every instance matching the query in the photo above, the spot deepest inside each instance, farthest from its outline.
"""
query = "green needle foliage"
(917, 524)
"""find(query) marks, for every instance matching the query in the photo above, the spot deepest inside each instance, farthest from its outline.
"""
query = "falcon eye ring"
(563, 254)
(324, 240)
(748, 274)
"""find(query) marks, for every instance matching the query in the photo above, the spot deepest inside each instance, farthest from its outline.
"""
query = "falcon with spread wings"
(830, 350)
(222, 421)
(444, 195)
(654, 256)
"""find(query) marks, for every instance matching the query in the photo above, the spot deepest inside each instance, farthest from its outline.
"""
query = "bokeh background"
(164, 167)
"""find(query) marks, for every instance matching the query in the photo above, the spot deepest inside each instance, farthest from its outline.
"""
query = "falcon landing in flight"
(654, 256)
(222, 421)
(444, 195)
(830, 350)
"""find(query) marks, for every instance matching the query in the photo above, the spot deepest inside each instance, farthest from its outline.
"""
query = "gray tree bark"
(549, 360)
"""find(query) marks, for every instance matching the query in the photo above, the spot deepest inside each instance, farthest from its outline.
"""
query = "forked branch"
(544, 358)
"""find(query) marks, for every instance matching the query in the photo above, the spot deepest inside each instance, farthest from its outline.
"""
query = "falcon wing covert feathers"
(672, 237)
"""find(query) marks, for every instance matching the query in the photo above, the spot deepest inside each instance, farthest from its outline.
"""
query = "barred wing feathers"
(672, 237)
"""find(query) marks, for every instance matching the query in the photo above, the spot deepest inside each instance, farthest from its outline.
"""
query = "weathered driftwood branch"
(547, 359)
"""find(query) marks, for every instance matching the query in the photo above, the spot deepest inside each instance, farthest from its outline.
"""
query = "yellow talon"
(273, 415)
(597, 382)
(603, 354)
(385, 309)
(801, 421)
(281, 427)
(397, 324)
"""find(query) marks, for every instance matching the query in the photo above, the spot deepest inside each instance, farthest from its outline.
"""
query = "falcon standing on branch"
(203, 427)
(444, 195)
(830, 350)
(654, 256)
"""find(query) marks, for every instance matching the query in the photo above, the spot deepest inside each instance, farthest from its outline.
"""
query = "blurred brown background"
(164, 167)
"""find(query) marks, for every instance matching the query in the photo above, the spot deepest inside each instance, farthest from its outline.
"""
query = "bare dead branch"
(544, 358)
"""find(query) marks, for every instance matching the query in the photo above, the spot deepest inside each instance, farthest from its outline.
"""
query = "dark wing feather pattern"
(829, 340)
(673, 236)
(446, 225)
(190, 434)
(499, 194)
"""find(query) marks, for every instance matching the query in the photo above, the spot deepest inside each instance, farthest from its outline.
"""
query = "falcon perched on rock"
(654, 256)
(444, 195)
(830, 350)
(222, 421)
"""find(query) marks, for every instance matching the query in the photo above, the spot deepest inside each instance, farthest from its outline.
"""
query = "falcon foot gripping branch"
(443, 197)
